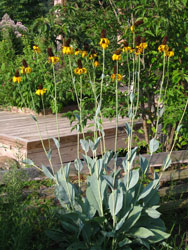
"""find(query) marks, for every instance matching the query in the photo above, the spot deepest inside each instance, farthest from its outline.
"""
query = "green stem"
(45, 124)
(55, 103)
(56, 115)
(168, 64)
(102, 79)
(138, 87)
(159, 99)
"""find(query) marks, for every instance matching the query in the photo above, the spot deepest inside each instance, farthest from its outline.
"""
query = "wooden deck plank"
(19, 129)
(13, 126)
(177, 157)
(26, 129)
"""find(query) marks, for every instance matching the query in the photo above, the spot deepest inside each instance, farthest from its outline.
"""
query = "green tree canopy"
(24, 11)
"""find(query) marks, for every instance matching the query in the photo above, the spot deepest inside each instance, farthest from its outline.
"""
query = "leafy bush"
(115, 212)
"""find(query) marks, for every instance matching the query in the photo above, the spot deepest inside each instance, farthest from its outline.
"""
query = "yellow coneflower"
(96, 62)
(132, 28)
(85, 51)
(67, 49)
(36, 49)
(117, 55)
(119, 77)
(163, 47)
(138, 51)
(104, 42)
(140, 45)
(136, 24)
(77, 52)
(126, 47)
(40, 90)
(80, 70)
(169, 53)
(93, 54)
(114, 75)
(143, 43)
(17, 78)
(131, 50)
(51, 58)
(25, 69)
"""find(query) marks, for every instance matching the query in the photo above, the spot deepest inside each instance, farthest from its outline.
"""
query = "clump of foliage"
(23, 220)
(115, 212)
(25, 11)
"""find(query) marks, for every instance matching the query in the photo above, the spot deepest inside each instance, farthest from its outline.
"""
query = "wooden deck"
(20, 139)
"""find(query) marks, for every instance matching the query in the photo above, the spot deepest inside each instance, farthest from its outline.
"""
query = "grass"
(176, 222)
(24, 220)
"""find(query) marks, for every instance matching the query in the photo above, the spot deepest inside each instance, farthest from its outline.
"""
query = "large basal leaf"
(153, 145)
(150, 223)
(115, 201)
(90, 162)
(141, 232)
(132, 155)
(91, 145)
(128, 161)
(99, 166)
(78, 165)
(87, 209)
(66, 192)
(28, 161)
(132, 179)
(127, 128)
(109, 180)
(158, 236)
(70, 226)
(152, 199)
(144, 164)
(132, 218)
(167, 162)
(107, 157)
(122, 221)
(85, 145)
(47, 172)
(146, 191)
(49, 154)
(152, 212)
(125, 242)
(61, 195)
(63, 173)
(142, 242)
(92, 199)
(67, 169)
(96, 191)
(56, 143)
(96, 143)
